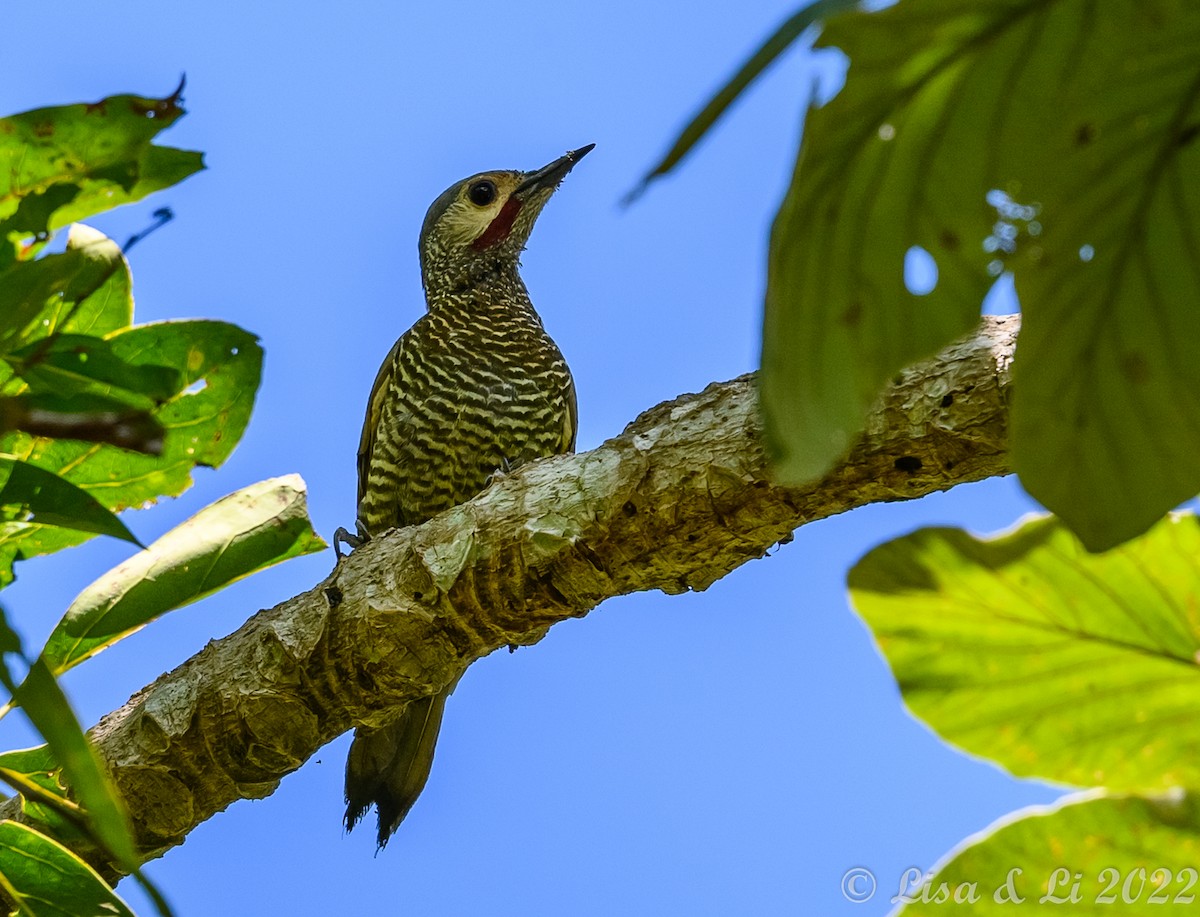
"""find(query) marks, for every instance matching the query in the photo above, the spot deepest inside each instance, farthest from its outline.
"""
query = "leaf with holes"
(1106, 387)
(897, 159)
(62, 164)
(250, 530)
(1113, 850)
(1056, 663)
(947, 148)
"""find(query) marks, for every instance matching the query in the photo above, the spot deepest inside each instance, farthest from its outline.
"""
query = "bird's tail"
(388, 767)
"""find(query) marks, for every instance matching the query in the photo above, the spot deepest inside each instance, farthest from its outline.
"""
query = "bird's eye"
(482, 193)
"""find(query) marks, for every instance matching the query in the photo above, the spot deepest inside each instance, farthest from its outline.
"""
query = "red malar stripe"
(500, 227)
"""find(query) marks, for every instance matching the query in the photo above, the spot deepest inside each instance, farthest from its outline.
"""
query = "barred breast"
(469, 390)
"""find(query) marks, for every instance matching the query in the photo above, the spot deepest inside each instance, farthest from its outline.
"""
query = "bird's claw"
(353, 541)
(506, 468)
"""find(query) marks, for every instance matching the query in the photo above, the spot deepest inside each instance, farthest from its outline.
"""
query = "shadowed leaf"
(944, 149)
(33, 496)
(70, 365)
(1106, 388)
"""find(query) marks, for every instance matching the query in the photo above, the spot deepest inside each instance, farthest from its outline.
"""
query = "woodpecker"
(474, 388)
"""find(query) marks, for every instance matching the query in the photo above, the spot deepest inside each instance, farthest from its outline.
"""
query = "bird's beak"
(548, 176)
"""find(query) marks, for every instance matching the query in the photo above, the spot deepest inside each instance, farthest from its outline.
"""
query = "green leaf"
(9, 552)
(39, 767)
(43, 701)
(221, 366)
(62, 164)
(49, 807)
(77, 364)
(947, 140)
(1056, 663)
(33, 496)
(108, 307)
(10, 642)
(85, 289)
(1106, 407)
(899, 158)
(780, 41)
(38, 764)
(34, 773)
(1087, 855)
(48, 880)
(44, 800)
(34, 212)
(254, 528)
(159, 168)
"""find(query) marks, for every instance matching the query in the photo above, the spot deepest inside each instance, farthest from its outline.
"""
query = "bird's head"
(486, 219)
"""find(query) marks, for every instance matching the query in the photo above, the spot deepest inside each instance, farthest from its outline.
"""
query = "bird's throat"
(500, 226)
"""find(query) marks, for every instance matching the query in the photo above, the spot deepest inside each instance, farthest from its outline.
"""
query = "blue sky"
(725, 753)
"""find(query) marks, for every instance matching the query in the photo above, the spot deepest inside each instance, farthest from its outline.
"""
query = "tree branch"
(675, 502)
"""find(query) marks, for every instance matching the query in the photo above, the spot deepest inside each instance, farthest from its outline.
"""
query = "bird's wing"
(366, 443)
(571, 423)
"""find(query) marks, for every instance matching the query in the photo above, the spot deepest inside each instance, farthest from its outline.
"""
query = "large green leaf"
(221, 366)
(48, 880)
(43, 701)
(781, 39)
(1106, 407)
(1056, 663)
(1028, 134)
(896, 159)
(62, 164)
(1088, 855)
(254, 528)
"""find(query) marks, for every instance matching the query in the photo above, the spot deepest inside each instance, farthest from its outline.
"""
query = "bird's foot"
(353, 541)
(506, 468)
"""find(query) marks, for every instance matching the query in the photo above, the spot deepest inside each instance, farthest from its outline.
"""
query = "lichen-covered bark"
(675, 502)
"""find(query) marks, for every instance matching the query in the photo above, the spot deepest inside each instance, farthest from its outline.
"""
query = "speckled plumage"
(476, 386)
